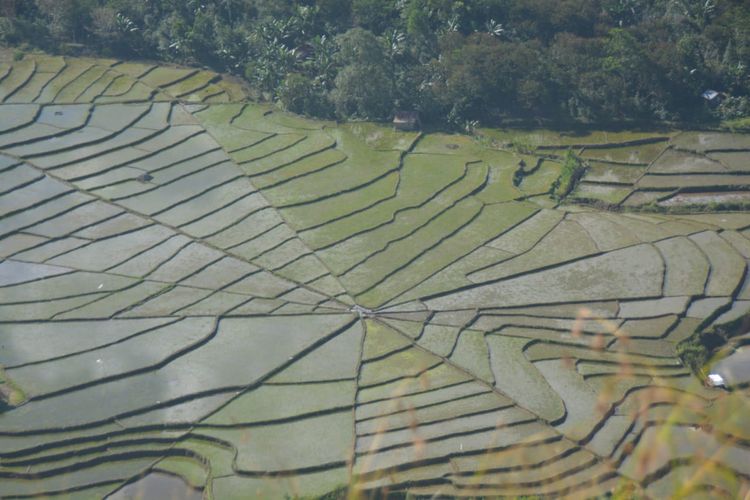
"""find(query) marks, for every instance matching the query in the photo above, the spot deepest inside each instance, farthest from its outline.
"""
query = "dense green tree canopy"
(453, 60)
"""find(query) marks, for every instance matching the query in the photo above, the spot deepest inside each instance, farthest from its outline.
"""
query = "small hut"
(407, 121)
(712, 97)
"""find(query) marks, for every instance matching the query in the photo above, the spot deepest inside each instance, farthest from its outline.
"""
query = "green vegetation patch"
(573, 170)
(698, 350)
(11, 395)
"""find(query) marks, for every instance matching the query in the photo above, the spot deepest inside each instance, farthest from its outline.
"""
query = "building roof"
(406, 117)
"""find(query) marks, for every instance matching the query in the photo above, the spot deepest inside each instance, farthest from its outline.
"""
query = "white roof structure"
(716, 380)
(710, 95)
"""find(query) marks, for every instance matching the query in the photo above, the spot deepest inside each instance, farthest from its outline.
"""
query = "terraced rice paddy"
(207, 296)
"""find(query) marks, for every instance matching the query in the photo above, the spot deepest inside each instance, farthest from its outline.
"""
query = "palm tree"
(494, 28)
(394, 48)
(323, 61)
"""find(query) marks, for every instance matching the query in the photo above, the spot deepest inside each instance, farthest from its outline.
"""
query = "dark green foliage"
(374, 15)
(364, 84)
(602, 61)
(694, 354)
(698, 350)
(299, 94)
(362, 92)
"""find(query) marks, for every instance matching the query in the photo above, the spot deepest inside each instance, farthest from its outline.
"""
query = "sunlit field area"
(202, 296)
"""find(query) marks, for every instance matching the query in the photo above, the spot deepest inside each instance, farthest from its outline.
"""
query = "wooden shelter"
(407, 121)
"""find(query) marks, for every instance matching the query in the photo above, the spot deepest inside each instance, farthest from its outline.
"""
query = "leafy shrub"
(299, 94)
(572, 172)
(698, 350)
(10, 395)
(732, 108)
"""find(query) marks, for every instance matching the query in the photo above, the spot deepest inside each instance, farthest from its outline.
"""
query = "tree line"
(454, 61)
